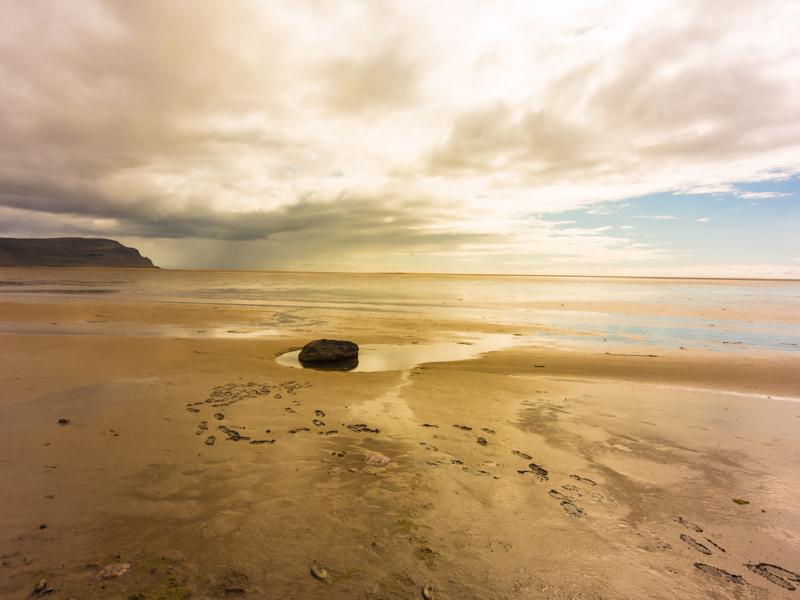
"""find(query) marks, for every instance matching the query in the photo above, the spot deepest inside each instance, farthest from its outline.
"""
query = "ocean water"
(563, 311)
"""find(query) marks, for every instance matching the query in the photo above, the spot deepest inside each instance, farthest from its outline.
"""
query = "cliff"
(69, 252)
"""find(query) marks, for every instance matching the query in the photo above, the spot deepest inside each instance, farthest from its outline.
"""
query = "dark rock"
(328, 351)
(63, 421)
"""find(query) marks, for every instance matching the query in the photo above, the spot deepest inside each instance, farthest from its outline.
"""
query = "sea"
(709, 314)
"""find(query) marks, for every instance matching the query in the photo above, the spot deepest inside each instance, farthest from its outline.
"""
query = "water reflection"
(399, 357)
(338, 365)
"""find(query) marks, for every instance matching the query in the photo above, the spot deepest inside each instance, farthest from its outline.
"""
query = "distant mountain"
(69, 252)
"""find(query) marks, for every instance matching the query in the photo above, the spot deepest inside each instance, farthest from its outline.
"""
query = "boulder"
(328, 351)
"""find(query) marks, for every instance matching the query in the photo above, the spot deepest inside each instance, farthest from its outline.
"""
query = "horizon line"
(437, 273)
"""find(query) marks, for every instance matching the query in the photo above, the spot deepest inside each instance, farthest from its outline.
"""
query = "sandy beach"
(516, 468)
(399, 300)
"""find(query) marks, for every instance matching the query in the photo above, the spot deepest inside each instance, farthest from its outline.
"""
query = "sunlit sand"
(485, 447)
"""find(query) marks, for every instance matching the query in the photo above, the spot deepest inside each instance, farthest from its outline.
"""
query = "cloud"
(762, 195)
(376, 82)
(703, 220)
(657, 217)
(673, 106)
(386, 127)
(719, 188)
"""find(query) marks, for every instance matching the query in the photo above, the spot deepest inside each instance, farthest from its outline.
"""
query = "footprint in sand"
(233, 435)
(536, 470)
(722, 574)
(585, 480)
(362, 428)
(693, 543)
(688, 524)
(775, 574)
(567, 504)
(598, 497)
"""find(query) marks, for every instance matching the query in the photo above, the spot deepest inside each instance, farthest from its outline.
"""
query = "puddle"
(400, 357)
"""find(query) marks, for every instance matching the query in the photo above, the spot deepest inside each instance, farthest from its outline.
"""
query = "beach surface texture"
(498, 437)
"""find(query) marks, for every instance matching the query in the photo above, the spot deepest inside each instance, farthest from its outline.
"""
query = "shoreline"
(422, 274)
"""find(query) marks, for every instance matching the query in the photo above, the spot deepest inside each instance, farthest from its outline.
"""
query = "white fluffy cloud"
(385, 129)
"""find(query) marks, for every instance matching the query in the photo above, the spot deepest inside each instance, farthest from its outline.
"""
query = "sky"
(570, 137)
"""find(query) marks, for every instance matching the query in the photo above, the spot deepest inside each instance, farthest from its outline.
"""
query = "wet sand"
(524, 472)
